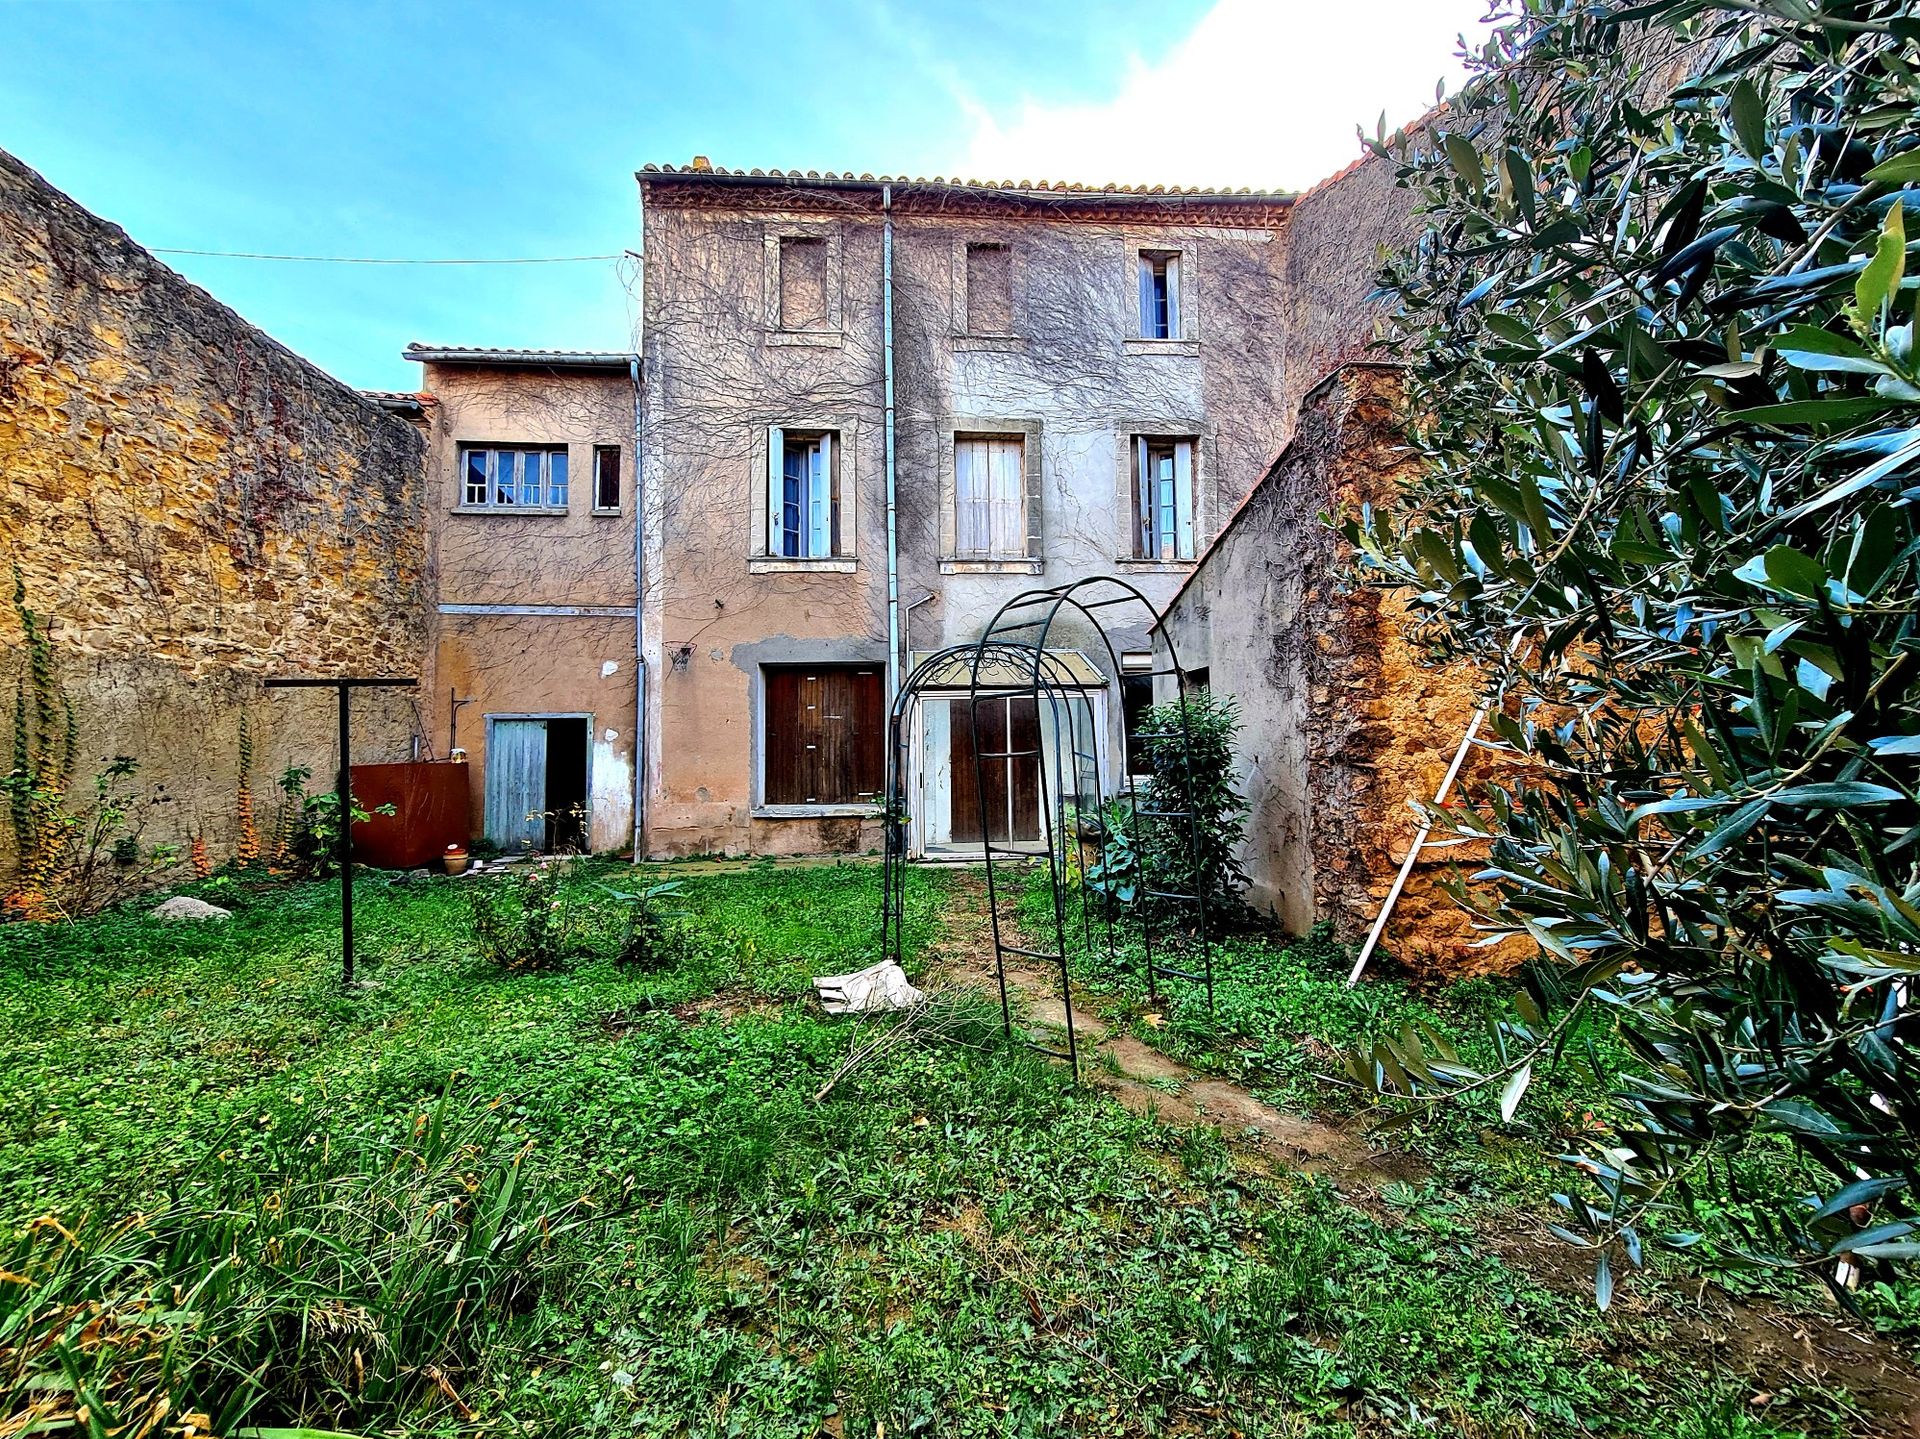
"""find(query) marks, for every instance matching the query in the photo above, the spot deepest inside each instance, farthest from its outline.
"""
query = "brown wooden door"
(825, 734)
(1008, 736)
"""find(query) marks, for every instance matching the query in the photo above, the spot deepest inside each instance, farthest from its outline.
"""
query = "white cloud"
(1264, 93)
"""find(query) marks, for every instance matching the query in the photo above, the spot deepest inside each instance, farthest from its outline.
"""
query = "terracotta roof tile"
(1050, 187)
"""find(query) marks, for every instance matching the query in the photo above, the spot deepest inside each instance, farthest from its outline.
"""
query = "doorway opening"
(537, 782)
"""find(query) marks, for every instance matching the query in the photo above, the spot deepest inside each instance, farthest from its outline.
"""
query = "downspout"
(893, 532)
(639, 628)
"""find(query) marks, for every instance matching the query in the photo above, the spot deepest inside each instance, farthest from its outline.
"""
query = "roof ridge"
(707, 171)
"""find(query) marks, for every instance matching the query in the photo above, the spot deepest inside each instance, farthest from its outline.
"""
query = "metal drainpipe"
(893, 534)
(639, 627)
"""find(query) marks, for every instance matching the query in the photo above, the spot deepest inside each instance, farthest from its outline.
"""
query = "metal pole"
(345, 847)
(895, 662)
(1413, 851)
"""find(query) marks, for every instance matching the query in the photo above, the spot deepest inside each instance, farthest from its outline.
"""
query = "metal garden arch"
(1012, 660)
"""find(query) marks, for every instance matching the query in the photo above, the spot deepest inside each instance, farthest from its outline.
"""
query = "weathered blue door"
(517, 783)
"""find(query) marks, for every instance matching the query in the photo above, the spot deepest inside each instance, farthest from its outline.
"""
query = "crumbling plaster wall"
(1075, 370)
(193, 508)
(1346, 724)
(717, 377)
(582, 559)
(1071, 376)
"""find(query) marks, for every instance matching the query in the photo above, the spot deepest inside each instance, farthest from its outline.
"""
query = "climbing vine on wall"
(67, 858)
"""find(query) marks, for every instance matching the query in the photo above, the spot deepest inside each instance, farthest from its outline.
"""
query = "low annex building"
(532, 669)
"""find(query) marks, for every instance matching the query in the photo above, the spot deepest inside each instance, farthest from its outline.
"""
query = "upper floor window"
(803, 282)
(606, 477)
(989, 290)
(1163, 498)
(1159, 295)
(803, 494)
(513, 477)
(989, 497)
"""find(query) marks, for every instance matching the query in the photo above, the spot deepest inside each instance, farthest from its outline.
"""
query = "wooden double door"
(1000, 802)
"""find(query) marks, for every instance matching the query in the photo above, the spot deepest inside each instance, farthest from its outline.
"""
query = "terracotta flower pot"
(455, 859)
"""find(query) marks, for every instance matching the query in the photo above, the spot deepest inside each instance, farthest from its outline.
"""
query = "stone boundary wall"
(190, 507)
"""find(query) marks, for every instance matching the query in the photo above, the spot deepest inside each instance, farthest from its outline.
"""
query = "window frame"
(489, 503)
(1152, 509)
(769, 473)
(831, 333)
(619, 486)
(953, 430)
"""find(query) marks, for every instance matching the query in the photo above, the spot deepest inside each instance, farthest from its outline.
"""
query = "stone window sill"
(508, 512)
(1133, 564)
(768, 565)
(829, 339)
(608, 514)
(816, 811)
(991, 567)
(1162, 347)
(1000, 344)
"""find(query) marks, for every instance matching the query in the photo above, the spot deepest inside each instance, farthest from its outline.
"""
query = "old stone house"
(877, 410)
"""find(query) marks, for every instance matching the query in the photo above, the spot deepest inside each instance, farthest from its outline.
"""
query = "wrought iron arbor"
(1013, 661)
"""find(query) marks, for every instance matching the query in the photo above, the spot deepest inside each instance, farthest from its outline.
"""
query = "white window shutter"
(1009, 513)
(1173, 297)
(967, 483)
(819, 501)
(1183, 499)
(1142, 500)
(776, 488)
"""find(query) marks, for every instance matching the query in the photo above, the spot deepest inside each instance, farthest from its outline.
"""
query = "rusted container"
(429, 802)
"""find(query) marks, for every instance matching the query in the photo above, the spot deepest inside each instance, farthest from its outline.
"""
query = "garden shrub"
(521, 922)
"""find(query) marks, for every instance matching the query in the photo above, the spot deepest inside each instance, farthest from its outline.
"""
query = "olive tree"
(1660, 339)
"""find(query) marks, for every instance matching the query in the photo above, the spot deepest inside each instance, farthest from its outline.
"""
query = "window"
(824, 734)
(1159, 295)
(803, 494)
(989, 496)
(517, 477)
(803, 283)
(1136, 698)
(606, 477)
(1163, 498)
(989, 290)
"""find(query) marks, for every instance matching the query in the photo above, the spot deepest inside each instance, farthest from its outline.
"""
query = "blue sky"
(415, 129)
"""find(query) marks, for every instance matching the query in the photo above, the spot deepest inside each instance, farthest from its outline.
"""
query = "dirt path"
(1773, 1348)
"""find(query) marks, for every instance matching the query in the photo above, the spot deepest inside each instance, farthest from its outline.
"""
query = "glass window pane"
(506, 487)
(475, 491)
(556, 477)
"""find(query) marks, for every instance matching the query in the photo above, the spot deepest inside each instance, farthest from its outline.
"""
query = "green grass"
(955, 1242)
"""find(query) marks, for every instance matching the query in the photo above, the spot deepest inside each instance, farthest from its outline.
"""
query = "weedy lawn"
(603, 1201)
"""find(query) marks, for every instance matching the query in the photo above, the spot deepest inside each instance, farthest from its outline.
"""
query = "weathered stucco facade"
(1346, 725)
(1016, 323)
(191, 508)
(533, 619)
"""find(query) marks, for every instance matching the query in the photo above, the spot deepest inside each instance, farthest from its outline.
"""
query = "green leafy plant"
(521, 921)
(336, 1283)
(1155, 848)
(316, 841)
(651, 938)
(1667, 413)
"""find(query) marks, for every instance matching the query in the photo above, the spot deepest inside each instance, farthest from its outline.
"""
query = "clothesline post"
(343, 793)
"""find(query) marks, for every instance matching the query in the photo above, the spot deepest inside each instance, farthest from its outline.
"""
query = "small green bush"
(521, 922)
(651, 938)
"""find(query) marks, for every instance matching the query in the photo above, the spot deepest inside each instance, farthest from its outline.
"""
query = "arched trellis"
(1012, 660)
